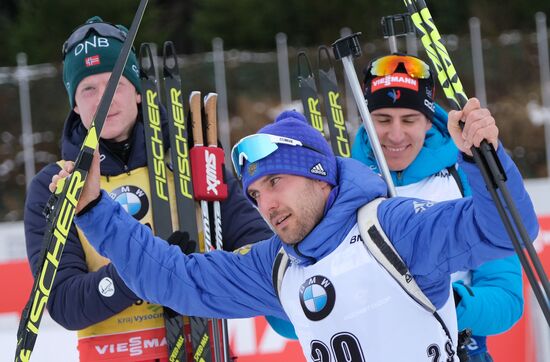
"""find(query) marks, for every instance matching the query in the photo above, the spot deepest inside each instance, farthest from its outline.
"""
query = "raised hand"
(479, 125)
(90, 191)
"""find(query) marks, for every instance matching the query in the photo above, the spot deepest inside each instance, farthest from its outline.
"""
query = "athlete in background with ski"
(88, 294)
(422, 158)
(342, 302)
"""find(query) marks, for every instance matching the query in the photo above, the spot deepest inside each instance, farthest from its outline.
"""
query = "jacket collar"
(357, 185)
(438, 152)
(74, 133)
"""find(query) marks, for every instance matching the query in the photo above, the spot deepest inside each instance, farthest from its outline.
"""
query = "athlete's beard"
(304, 216)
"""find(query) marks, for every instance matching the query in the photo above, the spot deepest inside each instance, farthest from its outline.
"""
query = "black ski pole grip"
(348, 45)
(397, 25)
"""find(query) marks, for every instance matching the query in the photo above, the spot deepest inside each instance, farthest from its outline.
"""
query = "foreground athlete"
(342, 302)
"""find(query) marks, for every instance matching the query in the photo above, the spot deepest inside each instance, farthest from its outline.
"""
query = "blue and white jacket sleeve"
(436, 240)
(217, 284)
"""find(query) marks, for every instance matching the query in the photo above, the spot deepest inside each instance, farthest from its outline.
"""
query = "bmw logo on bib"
(132, 199)
(317, 297)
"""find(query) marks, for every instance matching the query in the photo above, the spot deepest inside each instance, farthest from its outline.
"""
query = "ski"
(339, 137)
(201, 338)
(179, 147)
(61, 206)
(308, 93)
(158, 181)
(337, 130)
(484, 156)
(218, 192)
(154, 145)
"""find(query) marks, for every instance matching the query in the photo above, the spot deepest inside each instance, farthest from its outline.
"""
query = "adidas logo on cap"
(318, 170)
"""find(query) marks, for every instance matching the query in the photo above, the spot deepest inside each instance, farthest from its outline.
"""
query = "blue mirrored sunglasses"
(102, 29)
(258, 146)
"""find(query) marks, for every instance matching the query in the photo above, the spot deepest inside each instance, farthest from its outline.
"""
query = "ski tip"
(194, 95)
(209, 96)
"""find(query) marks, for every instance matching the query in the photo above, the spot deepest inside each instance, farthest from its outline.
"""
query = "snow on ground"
(54, 343)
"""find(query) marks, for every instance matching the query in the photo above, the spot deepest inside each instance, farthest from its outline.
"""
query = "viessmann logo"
(135, 346)
(394, 80)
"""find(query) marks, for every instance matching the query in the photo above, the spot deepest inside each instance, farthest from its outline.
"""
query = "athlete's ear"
(428, 124)
(138, 98)
(75, 109)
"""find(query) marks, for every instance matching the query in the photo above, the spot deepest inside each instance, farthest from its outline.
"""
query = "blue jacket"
(74, 302)
(234, 285)
(494, 301)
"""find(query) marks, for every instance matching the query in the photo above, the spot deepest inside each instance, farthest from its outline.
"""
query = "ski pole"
(485, 156)
(394, 26)
(346, 49)
(61, 207)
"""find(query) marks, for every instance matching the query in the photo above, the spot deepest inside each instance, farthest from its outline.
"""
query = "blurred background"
(247, 30)
(246, 50)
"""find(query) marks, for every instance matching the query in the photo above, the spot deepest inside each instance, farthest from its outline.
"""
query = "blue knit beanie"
(94, 54)
(315, 160)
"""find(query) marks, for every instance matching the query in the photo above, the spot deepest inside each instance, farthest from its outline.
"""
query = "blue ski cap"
(94, 48)
(314, 159)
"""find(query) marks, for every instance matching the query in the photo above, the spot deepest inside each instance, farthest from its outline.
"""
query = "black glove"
(182, 240)
(463, 341)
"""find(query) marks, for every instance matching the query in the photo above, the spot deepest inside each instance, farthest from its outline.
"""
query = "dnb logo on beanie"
(92, 50)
